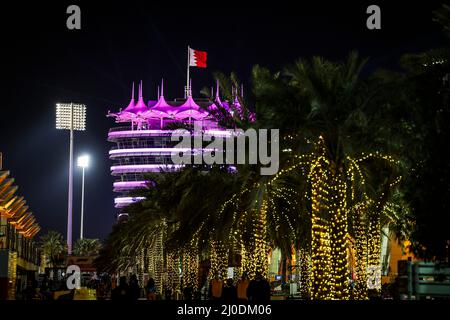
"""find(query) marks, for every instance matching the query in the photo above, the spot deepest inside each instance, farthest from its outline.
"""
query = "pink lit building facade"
(142, 138)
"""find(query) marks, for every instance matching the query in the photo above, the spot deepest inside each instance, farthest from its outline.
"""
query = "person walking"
(242, 286)
(101, 290)
(168, 293)
(122, 291)
(150, 289)
(229, 293)
(258, 290)
(188, 293)
(135, 289)
(216, 288)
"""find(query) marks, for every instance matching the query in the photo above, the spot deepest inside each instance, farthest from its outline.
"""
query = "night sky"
(44, 63)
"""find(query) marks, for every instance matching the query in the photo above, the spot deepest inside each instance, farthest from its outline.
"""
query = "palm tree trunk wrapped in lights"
(218, 259)
(360, 247)
(141, 266)
(321, 255)
(304, 261)
(258, 248)
(155, 257)
(262, 246)
(190, 265)
(245, 261)
(159, 260)
(321, 275)
(172, 263)
(374, 247)
(151, 260)
(339, 236)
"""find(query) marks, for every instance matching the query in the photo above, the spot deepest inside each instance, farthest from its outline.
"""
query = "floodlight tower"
(83, 162)
(70, 116)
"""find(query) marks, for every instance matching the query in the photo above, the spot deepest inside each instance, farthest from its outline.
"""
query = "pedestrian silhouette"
(258, 290)
(229, 293)
(122, 291)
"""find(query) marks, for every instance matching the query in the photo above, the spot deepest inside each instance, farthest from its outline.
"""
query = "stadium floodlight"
(83, 161)
(70, 116)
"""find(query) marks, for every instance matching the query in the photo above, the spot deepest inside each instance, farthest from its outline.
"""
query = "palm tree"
(53, 247)
(422, 90)
(87, 247)
(111, 257)
(325, 109)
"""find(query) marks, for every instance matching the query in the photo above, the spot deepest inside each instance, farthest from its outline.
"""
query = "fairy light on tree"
(172, 263)
(339, 236)
(191, 264)
(159, 258)
(321, 271)
(261, 247)
(305, 272)
(151, 254)
(360, 234)
(219, 260)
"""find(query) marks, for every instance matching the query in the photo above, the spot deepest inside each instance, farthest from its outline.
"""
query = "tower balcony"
(144, 168)
(121, 202)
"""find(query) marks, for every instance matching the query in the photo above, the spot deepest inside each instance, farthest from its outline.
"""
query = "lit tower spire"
(140, 105)
(217, 99)
(132, 103)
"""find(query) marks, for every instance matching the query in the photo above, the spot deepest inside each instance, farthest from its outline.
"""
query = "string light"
(332, 192)
(305, 272)
(190, 265)
(321, 272)
(172, 263)
(219, 261)
(360, 243)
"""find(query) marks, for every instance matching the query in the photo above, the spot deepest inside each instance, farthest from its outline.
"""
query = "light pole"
(83, 162)
(70, 116)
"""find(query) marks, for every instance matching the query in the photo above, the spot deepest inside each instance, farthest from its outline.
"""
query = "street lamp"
(70, 116)
(83, 162)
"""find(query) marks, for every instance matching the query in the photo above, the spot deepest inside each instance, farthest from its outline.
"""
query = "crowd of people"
(128, 289)
(244, 290)
(42, 290)
(46, 287)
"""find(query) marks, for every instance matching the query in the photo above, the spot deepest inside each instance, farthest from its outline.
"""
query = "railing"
(168, 131)
(131, 177)
(144, 144)
(431, 280)
(123, 128)
(424, 279)
(157, 159)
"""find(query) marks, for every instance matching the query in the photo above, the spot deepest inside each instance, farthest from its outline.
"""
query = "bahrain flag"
(197, 58)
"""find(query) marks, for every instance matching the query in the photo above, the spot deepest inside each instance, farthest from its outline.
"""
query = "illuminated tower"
(142, 144)
(143, 140)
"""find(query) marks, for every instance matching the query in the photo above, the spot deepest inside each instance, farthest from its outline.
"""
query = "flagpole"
(187, 78)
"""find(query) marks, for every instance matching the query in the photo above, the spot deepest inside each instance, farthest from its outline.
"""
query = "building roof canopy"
(162, 109)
